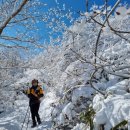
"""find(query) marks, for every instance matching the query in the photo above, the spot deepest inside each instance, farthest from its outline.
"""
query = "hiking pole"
(25, 117)
(28, 120)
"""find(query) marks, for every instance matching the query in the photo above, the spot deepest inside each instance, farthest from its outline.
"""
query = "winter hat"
(34, 81)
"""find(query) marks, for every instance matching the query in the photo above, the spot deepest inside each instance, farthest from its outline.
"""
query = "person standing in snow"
(34, 93)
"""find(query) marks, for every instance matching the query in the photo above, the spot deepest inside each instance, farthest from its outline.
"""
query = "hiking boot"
(39, 122)
(34, 125)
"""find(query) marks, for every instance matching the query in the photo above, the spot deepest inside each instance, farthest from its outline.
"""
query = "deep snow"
(115, 108)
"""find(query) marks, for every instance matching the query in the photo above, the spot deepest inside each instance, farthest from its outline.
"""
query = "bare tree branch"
(13, 15)
(13, 46)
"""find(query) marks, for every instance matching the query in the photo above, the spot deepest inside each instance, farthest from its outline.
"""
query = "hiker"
(34, 93)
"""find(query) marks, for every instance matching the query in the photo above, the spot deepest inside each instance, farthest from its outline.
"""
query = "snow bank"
(113, 109)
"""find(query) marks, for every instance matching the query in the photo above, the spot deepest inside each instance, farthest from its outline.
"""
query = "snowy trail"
(14, 120)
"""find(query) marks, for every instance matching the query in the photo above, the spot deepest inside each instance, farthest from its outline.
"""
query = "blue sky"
(76, 5)
(80, 4)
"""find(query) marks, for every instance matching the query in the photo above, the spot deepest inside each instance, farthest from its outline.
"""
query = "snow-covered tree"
(93, 55)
